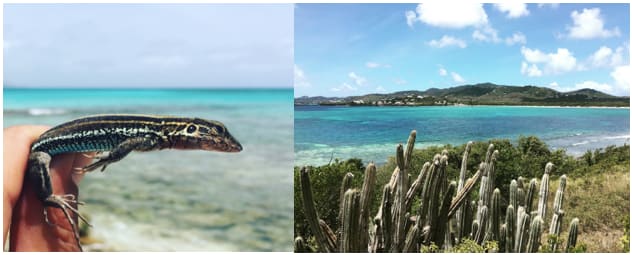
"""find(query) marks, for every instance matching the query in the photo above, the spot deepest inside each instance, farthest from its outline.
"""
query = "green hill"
(478, 94)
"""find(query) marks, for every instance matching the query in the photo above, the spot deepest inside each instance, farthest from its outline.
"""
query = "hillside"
(478, 94)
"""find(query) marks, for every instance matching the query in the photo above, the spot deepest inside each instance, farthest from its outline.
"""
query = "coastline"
(463, 105)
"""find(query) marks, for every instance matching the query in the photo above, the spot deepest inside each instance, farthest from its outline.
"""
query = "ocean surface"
(174, 200)
(372, 133)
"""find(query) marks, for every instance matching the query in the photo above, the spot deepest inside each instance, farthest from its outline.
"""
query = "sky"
(357, 49)
(148, 45)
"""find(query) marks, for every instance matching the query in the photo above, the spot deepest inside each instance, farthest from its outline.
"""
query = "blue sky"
(356, 49)
(148, 45)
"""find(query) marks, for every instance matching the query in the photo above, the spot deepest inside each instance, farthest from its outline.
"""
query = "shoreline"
(479, 105)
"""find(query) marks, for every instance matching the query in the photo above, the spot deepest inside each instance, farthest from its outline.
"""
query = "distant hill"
(478, 94)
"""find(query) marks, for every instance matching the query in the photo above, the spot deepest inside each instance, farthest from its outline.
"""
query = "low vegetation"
(597, 191)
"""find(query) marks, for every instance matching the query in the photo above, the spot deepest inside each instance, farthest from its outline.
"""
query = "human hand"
(22, 209)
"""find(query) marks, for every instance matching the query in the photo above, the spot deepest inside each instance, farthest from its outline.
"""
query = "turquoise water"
(372, 133)
(183, 200)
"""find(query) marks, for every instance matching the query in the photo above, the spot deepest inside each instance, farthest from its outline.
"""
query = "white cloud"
(456, 77)
(554, 85)
(358, 80)
(554, 63)
(411, 16)
(344, 87)
(486, 33)
(513, 10)
(443, 72)
(603, 87)
(516, 38)
(300, 81)
(605, 56)
(530, 70)
(376, 65)
(446, 41)
(380, 89)
(447, 15)
(622, 77)
(589, 24)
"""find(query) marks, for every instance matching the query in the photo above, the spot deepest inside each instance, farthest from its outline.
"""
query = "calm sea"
(183, 200)
(372, 133)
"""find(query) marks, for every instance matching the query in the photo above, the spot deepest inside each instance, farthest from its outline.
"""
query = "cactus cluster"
(447, 215)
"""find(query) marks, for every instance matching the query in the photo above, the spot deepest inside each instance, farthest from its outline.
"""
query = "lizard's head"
(208, 135)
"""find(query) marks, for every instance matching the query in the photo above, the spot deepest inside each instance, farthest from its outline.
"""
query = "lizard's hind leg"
(64, 203)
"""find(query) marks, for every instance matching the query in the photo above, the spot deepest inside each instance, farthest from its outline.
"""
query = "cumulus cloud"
(443, 72)
(344, 87)
(447, 15)
(605, 56)
(516, 38)
(530, 70)
(554, 85)
(447, 41)
(358, 80)
(603, 87)
(457, 77)
(486, 33)
(589, 24)
(380, 89)
(558, 62)
(513, 10)
(300, 81)
(622, 77)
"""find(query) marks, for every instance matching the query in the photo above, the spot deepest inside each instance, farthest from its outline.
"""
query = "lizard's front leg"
(124, 148)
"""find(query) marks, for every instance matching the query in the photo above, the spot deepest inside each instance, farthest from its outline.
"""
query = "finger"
(29, 231)
(17, 144)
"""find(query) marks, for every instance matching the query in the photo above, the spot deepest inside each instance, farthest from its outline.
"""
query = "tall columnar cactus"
(522, 231)
(559, 195)
(480, 234)
(513, 193)
(572, 235)
(510, 224)
(554, 229)
(324, 244)
(530, 195)
(493, 227)
(502, 240)
(350, 230)
(460, 213)
(534, 235)
(366, 197)
(544, 191)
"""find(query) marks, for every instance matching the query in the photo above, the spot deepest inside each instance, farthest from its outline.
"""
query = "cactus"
(534, 235)
(572, 235)
(513, 193)
(494, 218)
(460, 213)
(530, 195)
(396, 229)
(559, 195)
(544, 191)
(349, 238)
(554, 229)
(366, 197)
(324, 244)
(510, 225)
(521, 239)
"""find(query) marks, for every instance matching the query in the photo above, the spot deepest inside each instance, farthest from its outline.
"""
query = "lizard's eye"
(191, 129)
(219, 129)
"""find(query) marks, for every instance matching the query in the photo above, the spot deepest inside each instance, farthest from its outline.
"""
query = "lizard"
(117, 134)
